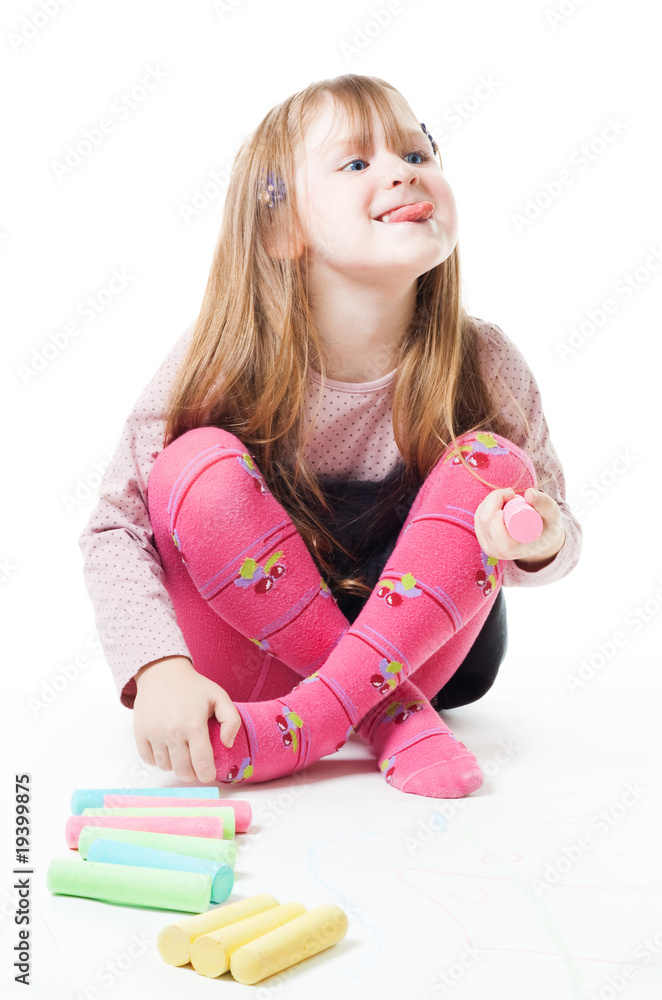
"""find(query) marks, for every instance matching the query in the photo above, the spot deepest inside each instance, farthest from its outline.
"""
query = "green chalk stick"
(222, 851)
(224, 813)
(130, 885)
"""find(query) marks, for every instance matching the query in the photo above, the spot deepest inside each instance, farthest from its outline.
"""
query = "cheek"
(323, 213)
(446, 203)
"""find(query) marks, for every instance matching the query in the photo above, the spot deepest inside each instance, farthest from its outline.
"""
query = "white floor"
(550, 874)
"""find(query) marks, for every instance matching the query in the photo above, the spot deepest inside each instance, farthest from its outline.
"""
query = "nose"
(406, 180)
(401, 172)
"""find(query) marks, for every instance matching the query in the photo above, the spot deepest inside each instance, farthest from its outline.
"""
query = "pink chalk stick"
(186, 826)
(522, 521)
(242, 808)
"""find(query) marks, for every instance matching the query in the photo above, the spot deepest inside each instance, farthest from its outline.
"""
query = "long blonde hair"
(256, 336)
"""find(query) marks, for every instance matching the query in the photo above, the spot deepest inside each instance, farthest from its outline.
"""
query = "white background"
(556, 75)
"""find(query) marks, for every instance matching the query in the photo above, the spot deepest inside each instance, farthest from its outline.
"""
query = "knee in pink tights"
(241, 549)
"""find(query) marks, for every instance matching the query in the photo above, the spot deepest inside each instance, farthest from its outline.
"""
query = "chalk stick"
(522, 521)
(113, 852)
(222, 851)
(190, 826)
(92, 798)
(287, 945)
(225, 815)
(126, 884)
(242, 808)
(174, 941)
(211, 953)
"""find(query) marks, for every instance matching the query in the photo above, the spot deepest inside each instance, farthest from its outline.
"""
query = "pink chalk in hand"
(522, 521)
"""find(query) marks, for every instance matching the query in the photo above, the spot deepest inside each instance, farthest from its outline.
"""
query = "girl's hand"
(493, 536)
(172, 706)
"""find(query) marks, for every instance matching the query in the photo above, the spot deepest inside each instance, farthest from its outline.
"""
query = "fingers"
(495, 500)
(542, 501)
(489, 524)
(202, 756)
(161, 757)
(496, 541)
(155, 754)
(145, 752)
(180, 756)
(168, 755)
(229, 719)
(191, 759)
(172, 728)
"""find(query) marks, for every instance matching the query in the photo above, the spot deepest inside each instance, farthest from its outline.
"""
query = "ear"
(279, 249)
(279, 244)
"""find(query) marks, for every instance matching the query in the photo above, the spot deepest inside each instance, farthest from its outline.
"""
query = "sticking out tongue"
(419, 212)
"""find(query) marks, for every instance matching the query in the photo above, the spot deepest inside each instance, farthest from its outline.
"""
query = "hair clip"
(275, 191)
(434, 145)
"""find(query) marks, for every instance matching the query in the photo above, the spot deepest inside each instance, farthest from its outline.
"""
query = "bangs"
(357, 101)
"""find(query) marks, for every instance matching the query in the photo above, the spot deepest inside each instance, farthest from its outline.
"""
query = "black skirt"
(367, 519)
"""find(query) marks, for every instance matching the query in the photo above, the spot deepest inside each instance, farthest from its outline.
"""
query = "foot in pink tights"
(416, 751)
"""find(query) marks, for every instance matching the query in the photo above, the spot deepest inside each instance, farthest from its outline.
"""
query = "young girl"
(301, 533)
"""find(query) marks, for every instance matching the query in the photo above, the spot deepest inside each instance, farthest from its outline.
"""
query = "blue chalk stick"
(92, 798)
(116, 852)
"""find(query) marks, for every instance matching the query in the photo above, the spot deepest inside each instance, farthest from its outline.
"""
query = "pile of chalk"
(174, 849)
(253, 939)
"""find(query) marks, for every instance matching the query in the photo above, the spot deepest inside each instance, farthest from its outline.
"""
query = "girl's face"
(341, 194)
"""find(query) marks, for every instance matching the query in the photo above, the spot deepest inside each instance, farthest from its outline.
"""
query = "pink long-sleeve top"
(352, 439)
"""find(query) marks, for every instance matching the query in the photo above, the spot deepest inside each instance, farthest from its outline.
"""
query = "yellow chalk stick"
(298, 939)
(211, 953)
(174, 941)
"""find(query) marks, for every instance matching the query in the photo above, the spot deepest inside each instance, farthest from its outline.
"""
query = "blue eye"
(418, 152)
(423, 156)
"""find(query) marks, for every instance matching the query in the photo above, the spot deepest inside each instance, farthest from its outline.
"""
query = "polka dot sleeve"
(505, 365)
(123, 575)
